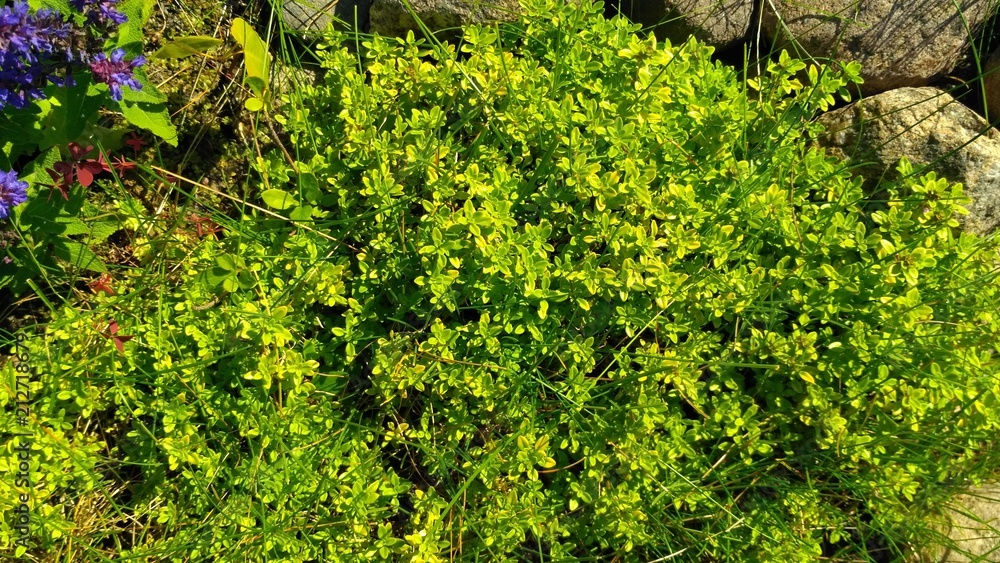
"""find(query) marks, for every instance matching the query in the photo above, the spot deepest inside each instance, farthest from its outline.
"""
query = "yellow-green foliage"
(577, 295)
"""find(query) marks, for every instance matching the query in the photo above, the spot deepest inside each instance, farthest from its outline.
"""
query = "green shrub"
(577, 295)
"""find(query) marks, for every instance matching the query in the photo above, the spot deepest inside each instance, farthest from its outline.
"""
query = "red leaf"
(64, 169)
(94, 166)
(112, 334)
(102, 162)
(102, 284)
(135, 142)
(78, 153)
(62, 181)
(122, 165)
(119, 342)
(85, 177)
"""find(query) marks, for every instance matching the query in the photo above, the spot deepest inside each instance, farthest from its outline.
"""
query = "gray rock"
(992, 71)
(897, 43)
(716, 22)
(931, 129)
(287, 79)
(390, 17)
(310, 16)
(969, 529)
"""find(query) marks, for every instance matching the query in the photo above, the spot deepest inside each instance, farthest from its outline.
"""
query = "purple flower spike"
(27, 41)
(23, 36)
(116, 71)
(13, 192)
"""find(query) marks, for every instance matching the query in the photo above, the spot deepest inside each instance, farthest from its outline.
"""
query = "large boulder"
(716, 22)
(931, 129)
(897, 43)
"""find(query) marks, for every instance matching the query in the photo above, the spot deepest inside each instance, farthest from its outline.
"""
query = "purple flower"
(38, 48)
(24, 36)
(116, 71)
(100, 11)
(13, 192)
(27, 41)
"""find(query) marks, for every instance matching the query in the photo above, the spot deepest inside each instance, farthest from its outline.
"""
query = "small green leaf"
(35, 172)
(72, 226)
(101, 230)
(542, 444)
(61, 6)
(246, 280)
(186, 46)
(301, 213)
(21, 131)
(309, 187)
(253, 104)
(226, 262)
(279, 199)
(214, 276)
(256, 85)
(108, 139)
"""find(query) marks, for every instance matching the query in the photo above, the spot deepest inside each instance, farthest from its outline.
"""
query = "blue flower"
(25, 36)
(116, 71)
(37, 48)
(13, 192)
(100, 11)
(27, 42)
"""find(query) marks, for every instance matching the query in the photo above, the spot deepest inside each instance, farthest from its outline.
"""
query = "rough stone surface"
(287, 79)
(992, 72)
(716, 22)
(897, 43)
(308, 16)
(970, 529)
(390, 17)
(931, 129)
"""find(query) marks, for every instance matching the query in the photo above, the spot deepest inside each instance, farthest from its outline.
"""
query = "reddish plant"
(102, 285)
(204, 225)
(77, 169)
(112, 334)
(120, 165)
(135, 142)
(80, 168)
(85, 168)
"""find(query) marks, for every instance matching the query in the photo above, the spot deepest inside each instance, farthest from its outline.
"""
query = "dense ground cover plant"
(565, 294)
